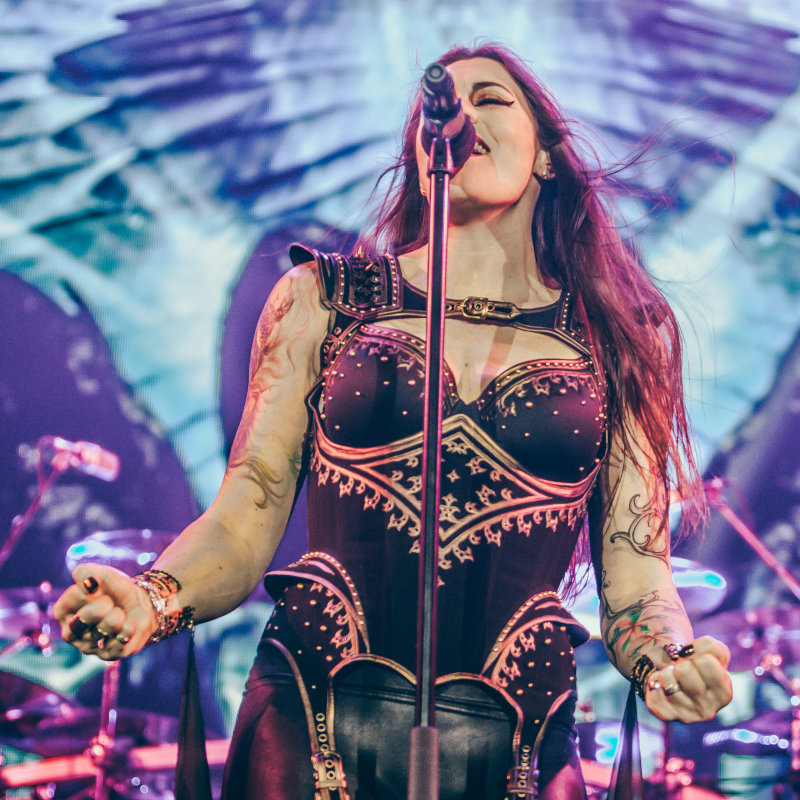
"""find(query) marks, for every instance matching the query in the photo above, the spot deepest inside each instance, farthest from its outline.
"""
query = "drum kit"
(80, 753)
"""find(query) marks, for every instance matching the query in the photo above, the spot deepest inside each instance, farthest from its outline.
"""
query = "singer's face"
(499, 173)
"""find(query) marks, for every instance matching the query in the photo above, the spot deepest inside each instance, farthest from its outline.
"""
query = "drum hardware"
(763, 640)
(753, 633)
(673, 776)
(701, 590)
(771, 666)
(148, 758)
(598, 779)
(713, 490)
(130, 550)
(26, 618)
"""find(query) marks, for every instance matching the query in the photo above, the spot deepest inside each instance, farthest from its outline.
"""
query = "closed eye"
(493, 101)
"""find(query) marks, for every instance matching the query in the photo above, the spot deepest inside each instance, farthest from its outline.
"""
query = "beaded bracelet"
(159, 586)
(641, 672)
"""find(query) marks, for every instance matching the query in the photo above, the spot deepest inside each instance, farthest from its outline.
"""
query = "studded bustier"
(517, 464)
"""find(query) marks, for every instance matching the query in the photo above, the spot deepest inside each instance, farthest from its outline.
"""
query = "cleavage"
(476, 354)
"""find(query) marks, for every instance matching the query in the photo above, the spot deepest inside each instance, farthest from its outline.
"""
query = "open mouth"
(480, 148)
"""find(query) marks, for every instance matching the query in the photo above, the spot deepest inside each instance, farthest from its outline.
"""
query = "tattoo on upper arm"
(273, 487)
(630, 631)
(648, 533)
(279, 352)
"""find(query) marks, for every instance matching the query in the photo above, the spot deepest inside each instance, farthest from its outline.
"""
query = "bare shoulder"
(293, 318)
(297, 290)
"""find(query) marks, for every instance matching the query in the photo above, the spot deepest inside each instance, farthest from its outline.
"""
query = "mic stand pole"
(59, 465)
(423, 779)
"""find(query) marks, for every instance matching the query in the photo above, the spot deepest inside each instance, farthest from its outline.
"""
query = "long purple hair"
(635, 335)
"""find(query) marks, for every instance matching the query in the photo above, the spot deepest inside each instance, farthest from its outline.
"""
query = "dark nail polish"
(90, 584)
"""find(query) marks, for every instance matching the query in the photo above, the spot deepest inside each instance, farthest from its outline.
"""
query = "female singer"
(564, 429)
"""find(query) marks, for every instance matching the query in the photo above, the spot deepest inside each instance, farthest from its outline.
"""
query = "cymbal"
(70, 733)
(27, 608)
(24, 704)
(700, 589)
(751, 632)
(128, 549)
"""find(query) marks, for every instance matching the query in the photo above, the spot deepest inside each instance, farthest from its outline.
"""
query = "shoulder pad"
(360, 286)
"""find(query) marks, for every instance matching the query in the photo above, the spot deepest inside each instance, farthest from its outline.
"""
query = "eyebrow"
(485, 84)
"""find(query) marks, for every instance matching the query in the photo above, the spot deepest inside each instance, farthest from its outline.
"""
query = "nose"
(469, 109)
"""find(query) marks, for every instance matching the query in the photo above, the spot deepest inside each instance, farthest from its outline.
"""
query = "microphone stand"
(713, 490)
(59, 465)
(423, 779)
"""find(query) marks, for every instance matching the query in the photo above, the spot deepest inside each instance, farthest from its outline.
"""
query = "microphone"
(442, 115)
(86, 457)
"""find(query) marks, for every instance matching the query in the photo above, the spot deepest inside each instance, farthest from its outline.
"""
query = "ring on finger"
(123, 640)
(673, 688)
(654, 683)
(77, 626)
(101, 636)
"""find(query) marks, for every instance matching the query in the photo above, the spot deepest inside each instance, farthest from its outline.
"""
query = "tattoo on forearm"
(631, 631)
(648, 532)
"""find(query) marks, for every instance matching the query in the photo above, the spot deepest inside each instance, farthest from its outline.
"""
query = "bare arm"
(640, 610)
(220, 557)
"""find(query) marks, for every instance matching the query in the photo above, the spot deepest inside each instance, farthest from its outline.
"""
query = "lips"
(480, 148)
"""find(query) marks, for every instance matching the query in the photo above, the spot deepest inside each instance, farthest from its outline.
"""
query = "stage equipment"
(128, 777)
(598, 779)
(701, 590)
(26, 617)
(442, 118)
(60, 454)
(115, 549)
(129, 549)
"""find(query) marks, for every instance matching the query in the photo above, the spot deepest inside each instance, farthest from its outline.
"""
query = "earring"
(423, 191)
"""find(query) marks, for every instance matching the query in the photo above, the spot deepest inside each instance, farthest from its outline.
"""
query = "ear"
(542, 167)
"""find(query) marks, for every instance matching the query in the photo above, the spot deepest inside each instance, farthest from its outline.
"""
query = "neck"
(487, 256)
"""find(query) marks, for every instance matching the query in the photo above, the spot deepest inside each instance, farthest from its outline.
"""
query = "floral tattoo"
(639, 627)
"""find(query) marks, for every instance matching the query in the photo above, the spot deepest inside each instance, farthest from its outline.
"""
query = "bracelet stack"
(641, 672)
(159, 586)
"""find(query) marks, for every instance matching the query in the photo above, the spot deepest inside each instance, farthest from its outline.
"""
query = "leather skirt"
(346, 735)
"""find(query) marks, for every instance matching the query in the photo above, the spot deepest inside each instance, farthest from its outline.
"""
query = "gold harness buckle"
(475, 307)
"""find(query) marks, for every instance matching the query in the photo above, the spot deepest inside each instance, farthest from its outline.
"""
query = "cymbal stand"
(713, 489)
(101, 748)
(771, 666)
(673, 773)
